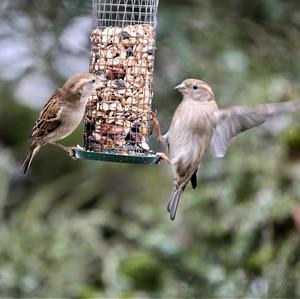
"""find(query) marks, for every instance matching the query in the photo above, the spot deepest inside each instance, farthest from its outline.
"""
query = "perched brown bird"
(61, 115)
(198, 122)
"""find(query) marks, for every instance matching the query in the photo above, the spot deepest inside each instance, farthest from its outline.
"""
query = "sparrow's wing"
(48, 120)
(235, 120)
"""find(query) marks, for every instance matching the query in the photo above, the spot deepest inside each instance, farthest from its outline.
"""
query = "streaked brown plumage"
(198, 122)
(62, 114)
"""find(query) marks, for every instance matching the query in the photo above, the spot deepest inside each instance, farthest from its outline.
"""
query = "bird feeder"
(118, 116)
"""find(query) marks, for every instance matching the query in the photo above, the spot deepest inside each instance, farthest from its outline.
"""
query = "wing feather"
(48, 120)
(232, 121)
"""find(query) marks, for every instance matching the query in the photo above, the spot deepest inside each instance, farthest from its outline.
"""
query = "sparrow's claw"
(154, 116)
(156, 126)
(71, 150)
(164, 157)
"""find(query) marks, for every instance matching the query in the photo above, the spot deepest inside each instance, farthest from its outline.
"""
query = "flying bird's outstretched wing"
(235, 120)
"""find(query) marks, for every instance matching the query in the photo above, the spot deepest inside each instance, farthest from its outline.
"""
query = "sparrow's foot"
(156, 126)
(164, 157)
(69, 149)
(72, 152)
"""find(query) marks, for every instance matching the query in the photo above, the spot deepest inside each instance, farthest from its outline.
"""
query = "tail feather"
(27, 161)
(173, 203)
(194, 180)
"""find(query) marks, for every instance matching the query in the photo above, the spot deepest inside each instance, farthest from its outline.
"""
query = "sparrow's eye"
(93, 81)
(195, 87)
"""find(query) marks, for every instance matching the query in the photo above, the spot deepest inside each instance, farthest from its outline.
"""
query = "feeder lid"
(152, 158)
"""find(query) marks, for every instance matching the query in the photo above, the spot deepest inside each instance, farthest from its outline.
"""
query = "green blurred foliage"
(87, 229)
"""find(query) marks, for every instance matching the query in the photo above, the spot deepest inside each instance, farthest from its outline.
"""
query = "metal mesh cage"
(118, 117)
(121, 13)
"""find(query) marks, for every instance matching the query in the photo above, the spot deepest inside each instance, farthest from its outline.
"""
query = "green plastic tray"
(108, 157)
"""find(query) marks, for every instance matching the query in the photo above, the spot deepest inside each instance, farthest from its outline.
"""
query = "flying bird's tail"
(194, 179)
(31, 153)
(173, 203)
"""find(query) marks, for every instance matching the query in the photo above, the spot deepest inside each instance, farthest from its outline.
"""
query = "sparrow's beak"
(180, 87)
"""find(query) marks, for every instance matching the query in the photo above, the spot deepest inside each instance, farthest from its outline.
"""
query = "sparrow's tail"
(31, 153)
(194, 179)
(173, 203)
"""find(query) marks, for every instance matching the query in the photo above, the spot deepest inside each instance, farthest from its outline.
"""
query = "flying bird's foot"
(156, 126)
(164, 157)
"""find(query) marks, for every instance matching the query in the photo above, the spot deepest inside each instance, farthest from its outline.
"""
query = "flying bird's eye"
(195, 87)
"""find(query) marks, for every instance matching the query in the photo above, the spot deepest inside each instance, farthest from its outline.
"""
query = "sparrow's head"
(196, 90)
(82, 83)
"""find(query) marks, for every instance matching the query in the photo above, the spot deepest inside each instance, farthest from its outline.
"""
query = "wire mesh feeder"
(118, 118)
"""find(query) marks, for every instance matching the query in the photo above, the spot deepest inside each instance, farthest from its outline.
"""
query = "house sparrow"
(198, 123)
(61, 115)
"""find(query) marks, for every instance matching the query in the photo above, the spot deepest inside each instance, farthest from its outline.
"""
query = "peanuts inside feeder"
(118, 116)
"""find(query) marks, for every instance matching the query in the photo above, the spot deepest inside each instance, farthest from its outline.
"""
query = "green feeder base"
(109, 157)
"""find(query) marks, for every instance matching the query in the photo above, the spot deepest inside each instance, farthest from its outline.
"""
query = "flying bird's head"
(81, 83)
(196, 90)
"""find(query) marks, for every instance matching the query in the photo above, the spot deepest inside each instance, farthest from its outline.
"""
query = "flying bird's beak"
(180, 87)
